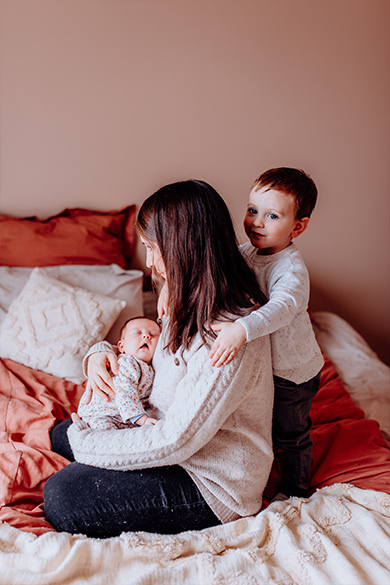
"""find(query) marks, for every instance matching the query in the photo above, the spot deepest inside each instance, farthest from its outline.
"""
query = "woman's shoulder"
(199, 353)
(253, 352)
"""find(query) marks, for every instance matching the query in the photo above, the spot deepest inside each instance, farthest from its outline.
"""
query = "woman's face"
(153, 257)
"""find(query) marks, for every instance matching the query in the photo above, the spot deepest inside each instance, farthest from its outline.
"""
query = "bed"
(67, 281)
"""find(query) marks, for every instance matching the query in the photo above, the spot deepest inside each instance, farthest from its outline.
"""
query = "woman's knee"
(63, 499)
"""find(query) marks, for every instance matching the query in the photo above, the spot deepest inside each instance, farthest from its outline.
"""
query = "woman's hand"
(100, 369)
(231, 338)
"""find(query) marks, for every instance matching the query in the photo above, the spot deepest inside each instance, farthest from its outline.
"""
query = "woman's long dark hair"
(206, 274)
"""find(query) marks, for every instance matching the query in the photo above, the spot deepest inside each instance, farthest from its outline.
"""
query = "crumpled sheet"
(366, 378)
(340, 536)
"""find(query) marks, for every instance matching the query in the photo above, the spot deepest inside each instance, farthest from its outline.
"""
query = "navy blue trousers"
(102, 503)
(291, 432)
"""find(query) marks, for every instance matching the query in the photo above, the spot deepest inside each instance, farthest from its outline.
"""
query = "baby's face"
(139, 338)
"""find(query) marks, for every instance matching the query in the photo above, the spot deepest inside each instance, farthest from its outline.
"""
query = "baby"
(137, 343)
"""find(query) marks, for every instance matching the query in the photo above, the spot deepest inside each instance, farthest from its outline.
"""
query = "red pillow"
(74, 236)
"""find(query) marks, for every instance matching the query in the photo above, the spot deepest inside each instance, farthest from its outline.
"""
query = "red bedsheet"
(30, 403)
(347, 447)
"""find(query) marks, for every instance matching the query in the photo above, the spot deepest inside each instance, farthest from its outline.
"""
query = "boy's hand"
(231, 338)
(162, 303)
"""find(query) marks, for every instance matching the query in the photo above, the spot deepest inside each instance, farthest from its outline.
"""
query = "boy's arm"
(288, 294)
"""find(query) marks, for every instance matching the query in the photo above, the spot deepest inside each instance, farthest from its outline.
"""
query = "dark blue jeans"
(102, 503)
(291, 432)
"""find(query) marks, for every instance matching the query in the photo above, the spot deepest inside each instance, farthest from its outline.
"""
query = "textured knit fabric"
(214, 422)
(284, 278)
(132, 387)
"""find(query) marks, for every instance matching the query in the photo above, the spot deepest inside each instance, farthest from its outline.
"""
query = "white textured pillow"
(110, 279)
(51, 325)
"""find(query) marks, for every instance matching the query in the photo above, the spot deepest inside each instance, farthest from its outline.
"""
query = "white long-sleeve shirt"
(214, 422)
(284, 279)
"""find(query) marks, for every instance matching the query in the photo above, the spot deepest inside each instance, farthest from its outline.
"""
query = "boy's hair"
(291, 182)
(125, 324)
(207, 276)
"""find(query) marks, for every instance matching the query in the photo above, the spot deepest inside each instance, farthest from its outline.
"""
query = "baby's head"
(280, 205)
(139, 337)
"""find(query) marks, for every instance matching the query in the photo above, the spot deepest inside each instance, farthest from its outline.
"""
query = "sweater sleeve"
(202, 400)
(288, 295)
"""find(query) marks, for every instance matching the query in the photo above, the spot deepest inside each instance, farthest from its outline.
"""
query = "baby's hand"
(79, 423)
(231, 338)
(145, 420)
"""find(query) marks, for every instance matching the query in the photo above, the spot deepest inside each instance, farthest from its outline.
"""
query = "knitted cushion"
(51, 325)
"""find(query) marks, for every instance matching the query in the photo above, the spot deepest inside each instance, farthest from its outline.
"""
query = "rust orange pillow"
(74, 236)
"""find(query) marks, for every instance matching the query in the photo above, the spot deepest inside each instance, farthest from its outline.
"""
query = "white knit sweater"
(284, 278)
(214, 422)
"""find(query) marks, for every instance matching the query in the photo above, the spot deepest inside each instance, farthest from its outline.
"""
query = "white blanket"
(340, 536)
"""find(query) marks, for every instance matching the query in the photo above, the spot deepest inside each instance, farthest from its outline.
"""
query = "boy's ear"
(120, 345)
(300, 226)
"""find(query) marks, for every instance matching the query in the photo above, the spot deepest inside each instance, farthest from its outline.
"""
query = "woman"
(208, 457)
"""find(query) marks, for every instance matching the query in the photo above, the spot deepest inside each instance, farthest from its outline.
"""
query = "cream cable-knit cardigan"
(214, 422)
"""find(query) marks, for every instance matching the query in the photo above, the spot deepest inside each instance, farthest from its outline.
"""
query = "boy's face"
(140, 339)
(270, 221)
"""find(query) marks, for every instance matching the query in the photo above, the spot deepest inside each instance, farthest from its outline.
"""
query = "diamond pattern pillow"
(51, 325)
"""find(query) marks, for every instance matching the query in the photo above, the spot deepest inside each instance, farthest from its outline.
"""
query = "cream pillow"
(109, 279)
(51, 325)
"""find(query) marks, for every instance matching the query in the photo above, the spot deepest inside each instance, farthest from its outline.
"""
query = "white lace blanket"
(340, 536)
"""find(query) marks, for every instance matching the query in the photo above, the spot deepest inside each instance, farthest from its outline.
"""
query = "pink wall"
(102, 101)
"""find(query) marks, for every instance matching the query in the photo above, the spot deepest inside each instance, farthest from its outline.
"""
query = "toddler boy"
(280, 205)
